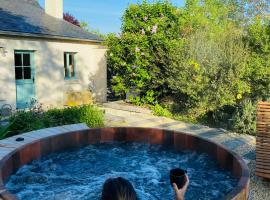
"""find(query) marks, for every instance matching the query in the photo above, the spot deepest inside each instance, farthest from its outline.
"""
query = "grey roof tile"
(26, 17)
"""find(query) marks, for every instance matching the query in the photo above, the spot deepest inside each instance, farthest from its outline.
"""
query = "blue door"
(25, 78)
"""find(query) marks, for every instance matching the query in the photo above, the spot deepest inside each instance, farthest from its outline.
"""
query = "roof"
(27, 18)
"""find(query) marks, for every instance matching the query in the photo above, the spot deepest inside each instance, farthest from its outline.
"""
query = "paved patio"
(119, 114)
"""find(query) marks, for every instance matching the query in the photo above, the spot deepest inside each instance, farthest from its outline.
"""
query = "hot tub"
(37, 145)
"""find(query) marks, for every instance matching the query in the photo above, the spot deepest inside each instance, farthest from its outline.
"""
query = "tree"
(210, 57)
(258, 38)
(138, 58)
(195, 54)
(86, 27)
(71, 19)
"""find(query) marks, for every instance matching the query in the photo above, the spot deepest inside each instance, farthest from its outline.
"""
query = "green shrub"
(244, 119)
(24, 121)
(158, 110)
(221, 117)
(148, 99)
(92, 116)
(241, 118)
(259, 71)
(135, 100)
(208, 55)
(140, 56)
(164, 50)
(4, 131)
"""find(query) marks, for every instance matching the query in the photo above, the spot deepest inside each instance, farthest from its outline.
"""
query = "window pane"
(18, 59)
(66, 72)
(69, 65)
(27, 72)
(70, 59)
(18, 73)
(72, 67)
(26, 59)
(65, 65)
(72, 71)
(65, 59)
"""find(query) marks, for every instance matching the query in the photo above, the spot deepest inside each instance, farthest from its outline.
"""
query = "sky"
(102, 15)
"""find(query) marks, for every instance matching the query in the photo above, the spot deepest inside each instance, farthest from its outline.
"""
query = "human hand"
(180, 193)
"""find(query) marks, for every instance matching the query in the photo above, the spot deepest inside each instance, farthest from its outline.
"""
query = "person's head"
(118, 189)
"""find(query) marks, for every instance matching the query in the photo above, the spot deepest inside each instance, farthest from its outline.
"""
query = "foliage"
(165, 111)
(84, 25)
(244, 119)
(211, 57)
(259, 70)
(149, 98)
(71, 19)
(4, 131)
(208, 75)
(166, 50)
(158, 110)
(138, 57)
(24, 121)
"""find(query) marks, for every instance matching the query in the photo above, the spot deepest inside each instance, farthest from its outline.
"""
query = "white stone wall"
(49, 64)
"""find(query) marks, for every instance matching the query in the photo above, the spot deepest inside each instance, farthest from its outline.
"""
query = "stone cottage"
(44, 58)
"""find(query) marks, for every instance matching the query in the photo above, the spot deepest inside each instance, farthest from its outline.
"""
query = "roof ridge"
(33, 2)
(27, 16)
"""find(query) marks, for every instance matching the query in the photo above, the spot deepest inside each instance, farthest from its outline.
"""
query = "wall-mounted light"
(3, 51)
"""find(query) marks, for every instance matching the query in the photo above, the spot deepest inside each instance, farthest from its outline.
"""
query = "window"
(70, 65)
(23, 69)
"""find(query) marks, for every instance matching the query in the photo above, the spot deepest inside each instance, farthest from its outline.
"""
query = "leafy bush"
(164, 50)
(149, 98)
(244, 119)
(138, 58)
(24, 121)
(158, 110)
(258, 38)
(221, 117)
(92, 116)
(210, 56)
(4, 131)
(211, 72)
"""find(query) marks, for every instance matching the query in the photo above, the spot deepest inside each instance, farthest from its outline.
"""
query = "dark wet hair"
(118, 189)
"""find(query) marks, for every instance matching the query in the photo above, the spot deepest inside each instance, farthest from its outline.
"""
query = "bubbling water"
(81, 173)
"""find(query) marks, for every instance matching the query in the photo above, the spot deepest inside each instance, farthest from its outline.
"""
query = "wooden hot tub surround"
(14, 155)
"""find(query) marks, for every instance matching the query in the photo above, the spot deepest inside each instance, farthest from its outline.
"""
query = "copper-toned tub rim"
(109, 134)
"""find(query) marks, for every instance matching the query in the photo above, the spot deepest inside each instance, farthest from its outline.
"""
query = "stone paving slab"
(4, 151)
(121, 105)
(10, 144)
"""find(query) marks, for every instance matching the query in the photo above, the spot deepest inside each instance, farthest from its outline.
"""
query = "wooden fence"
(263, 140)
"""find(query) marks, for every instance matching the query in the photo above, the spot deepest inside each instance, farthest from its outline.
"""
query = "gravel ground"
(244, 145)
(259, 188)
